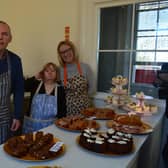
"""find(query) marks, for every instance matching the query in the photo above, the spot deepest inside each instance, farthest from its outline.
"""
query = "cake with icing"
(140, 95)
(145, 108)
(111, 141)
(119, 80)
(119, 142)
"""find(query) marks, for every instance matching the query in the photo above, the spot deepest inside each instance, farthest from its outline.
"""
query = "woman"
(77, 78)
(47, 99)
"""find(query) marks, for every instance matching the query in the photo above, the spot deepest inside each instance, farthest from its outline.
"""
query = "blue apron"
(43, 111)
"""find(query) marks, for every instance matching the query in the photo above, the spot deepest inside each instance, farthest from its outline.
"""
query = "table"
(150, 150)
(77, 157)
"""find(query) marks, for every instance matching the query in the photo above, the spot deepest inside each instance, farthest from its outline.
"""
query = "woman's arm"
(30, 84)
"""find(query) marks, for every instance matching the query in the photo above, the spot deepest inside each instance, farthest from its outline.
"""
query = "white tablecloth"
(77, 157)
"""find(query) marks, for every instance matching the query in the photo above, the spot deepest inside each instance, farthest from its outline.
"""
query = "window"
(152, 32)
(133, 42)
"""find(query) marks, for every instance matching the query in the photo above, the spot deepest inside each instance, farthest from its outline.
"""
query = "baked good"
(28, 140)
(38, 136)
(140, 95)
(146, 108)
(110, 132)
(99, 145)
(109, 99)
(132, 120)
(105, 113)
(115, 90)
(99, 113)
(85, 138)
(89, 111)
(109, 142)
(77, 122)
(36, 146)
(17, 146)
(120, 143)
(119, 80)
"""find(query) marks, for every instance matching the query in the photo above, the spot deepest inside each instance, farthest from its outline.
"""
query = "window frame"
(155, 50)
(89, 32)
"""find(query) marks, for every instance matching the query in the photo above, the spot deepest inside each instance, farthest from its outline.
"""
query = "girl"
(47, 99)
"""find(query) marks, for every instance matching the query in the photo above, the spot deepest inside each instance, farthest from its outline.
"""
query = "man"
(11, 81)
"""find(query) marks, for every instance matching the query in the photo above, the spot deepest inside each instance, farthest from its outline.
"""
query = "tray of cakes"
(99, 113)
(146, 109)
(115, 101)
(34, 147)
(110, 142)
(76, 123)
(129, 124)
(140, 106)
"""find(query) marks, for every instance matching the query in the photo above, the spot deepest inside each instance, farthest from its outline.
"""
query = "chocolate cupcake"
(83, 138)
(121, 147)
(111, 145)
(110, 132)
(93, 131)
(120, 143)
(89, 144)
(99, 146)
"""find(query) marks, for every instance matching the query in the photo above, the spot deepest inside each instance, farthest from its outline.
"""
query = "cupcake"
(100, 146)
(89, 143)
(110, 132)
(111, 145)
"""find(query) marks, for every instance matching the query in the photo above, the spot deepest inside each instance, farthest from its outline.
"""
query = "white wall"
(37, 27)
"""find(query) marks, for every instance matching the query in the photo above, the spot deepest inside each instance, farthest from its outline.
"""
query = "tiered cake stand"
(118, 92)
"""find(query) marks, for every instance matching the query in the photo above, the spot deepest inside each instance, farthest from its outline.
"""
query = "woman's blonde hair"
(47, 65)
(69, 43)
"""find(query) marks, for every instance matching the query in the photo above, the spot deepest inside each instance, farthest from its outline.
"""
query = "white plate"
(145, 97)
(143, 113)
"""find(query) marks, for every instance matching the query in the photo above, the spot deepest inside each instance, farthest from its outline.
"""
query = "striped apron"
(5, 115)
(43, 111)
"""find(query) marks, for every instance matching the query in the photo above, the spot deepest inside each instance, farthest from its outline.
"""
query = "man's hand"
(15, 125)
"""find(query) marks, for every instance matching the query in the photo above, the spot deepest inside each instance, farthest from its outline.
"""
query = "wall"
(38, 26)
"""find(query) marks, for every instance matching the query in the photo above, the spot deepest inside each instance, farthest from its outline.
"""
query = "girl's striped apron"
(5, 115)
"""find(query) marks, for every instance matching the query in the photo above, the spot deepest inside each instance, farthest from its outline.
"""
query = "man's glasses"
(65, 51)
